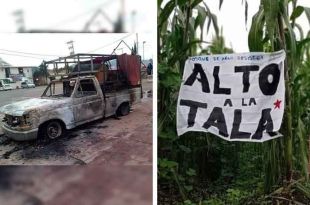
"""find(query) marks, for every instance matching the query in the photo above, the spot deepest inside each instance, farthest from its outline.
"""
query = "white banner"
(238, 97)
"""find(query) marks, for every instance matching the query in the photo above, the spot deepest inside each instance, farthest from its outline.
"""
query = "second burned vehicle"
(97, 86)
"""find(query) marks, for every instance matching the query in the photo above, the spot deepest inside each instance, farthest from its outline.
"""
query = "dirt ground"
(118, 141)
(111, 164)
(79, 185)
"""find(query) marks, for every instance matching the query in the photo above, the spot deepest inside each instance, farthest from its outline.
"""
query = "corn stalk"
(272, 29)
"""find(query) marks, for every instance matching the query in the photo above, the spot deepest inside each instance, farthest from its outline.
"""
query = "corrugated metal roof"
(3, 63)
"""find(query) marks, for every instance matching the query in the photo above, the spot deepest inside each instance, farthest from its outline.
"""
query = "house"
(16, 74)
(3, 64)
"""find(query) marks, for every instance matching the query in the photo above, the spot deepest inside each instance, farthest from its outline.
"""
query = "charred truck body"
(95, 86)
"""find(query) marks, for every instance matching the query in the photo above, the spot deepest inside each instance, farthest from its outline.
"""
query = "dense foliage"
(198, 168)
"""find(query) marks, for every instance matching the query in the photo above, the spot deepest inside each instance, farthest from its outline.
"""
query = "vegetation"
(41, 71)
(198, 168)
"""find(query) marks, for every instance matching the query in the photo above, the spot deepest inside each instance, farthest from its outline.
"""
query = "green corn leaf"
(301, 45)
(191, 172)
(291, 37)
(301, 132)
(255, 37)
(215, 24)
(195, 3)
(213, 19)
(168, 9)
(165, 13)
(300, 30)
(297, 12)
(220, 4)
(159, 2)
(271, 10)
(167, 163)
(246, 6)
(201, 18)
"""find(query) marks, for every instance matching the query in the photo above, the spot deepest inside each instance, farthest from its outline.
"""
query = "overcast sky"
(55, 44)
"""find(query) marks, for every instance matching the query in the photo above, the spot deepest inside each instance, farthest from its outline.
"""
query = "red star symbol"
(277, 104)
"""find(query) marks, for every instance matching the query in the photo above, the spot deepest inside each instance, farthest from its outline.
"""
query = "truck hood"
(22, 107)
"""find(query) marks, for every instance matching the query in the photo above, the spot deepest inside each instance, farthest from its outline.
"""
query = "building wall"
(28, 72)
(27, 75)
(14, 71)
(2, 73)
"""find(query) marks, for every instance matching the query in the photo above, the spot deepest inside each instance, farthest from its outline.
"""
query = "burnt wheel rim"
(53, 130)
(125, 109)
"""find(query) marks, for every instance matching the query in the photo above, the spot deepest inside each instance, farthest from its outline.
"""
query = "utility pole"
(119, 24)
(137, 44)
(20, 22)
(123, 10)
(133, 21)
(70, 47)
(143, 50)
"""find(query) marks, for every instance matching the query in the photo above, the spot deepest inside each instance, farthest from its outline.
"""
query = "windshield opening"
(59, 89)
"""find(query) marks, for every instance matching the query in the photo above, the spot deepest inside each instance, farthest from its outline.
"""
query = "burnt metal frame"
(76, 58)
(86, 56)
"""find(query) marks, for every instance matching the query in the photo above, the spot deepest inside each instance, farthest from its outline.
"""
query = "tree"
(41, 71)
(134, 49)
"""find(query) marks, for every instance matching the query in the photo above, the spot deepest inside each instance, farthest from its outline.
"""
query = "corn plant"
(177, 30)
(273, 29)
(180, 34)
(178, 24)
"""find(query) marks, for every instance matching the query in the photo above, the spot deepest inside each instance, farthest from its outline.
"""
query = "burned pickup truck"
(96, 86)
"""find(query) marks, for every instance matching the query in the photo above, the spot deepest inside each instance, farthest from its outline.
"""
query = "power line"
(36, 54)
(73, 18)
(110, 43)
(10, 54)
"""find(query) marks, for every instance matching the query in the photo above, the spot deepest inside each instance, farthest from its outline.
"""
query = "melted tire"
(123, 110)
(53, 129)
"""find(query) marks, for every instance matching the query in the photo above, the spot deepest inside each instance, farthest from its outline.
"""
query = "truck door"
(88, 102)
(111, 103)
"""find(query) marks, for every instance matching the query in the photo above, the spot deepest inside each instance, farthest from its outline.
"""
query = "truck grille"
(11, 120)
(8, 119)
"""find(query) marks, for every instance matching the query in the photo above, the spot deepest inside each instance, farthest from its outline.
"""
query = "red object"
(277, 104)
(130, 65)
